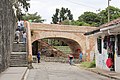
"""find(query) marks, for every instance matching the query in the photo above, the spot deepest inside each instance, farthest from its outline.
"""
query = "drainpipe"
(29, 46)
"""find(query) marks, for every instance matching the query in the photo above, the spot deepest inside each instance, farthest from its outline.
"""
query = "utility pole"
(109, 10)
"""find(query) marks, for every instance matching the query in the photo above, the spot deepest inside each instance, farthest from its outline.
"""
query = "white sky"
(46, 8)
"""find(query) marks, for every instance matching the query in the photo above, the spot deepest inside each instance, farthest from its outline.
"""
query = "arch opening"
(46, 47)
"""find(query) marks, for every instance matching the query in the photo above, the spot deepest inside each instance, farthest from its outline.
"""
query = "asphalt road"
(61, 71)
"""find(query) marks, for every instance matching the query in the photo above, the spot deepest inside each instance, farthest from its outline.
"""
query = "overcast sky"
(46, 8)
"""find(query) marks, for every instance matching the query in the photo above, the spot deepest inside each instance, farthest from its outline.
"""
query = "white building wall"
(101, 58)
(117, 63)
(117, 59)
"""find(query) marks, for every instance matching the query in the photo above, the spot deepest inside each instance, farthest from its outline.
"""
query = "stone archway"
(74, 45)
(72, 35)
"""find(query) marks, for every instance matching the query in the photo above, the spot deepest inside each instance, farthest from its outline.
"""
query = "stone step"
(19, 47)
(18, 59)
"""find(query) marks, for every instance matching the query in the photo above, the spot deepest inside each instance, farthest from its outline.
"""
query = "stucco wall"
(117, 59)
(7, 28)
(117, 63)
(101, 58)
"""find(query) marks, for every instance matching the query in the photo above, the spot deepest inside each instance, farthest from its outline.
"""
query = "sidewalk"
(110, 74)
(13, 73)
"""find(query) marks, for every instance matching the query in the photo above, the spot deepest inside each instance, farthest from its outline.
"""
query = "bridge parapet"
(61, 28)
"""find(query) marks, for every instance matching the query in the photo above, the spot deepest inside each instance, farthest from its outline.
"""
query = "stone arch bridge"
(73, 36)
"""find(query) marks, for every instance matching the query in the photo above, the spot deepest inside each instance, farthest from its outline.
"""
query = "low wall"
(55, 59)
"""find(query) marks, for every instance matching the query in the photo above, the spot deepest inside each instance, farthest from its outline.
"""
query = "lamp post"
(108, 10)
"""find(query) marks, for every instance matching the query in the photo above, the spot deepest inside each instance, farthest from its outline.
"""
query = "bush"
(88, 64)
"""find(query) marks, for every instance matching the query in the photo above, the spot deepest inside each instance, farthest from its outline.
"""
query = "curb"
(97, 72)
(25, 74)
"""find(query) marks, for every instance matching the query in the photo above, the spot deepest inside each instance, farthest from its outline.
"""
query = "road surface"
(61, 71)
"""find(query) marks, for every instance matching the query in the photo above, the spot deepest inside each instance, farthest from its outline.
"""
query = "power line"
(82, 4)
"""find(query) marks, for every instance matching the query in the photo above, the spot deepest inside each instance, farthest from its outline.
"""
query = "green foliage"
(24, 4)
(19, 5)
(34, 17)
(95, 19)
(114, 14)
(61, 15)
(55, 42)
(90, 18)
(66, 22)
(64, 49)
(55, 17)
(78, 23)
(88, 64)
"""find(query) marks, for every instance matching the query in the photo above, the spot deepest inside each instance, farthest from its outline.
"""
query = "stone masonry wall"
(73, 36)
(7, 29)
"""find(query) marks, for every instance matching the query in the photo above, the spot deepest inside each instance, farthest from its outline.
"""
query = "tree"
(34, 17)
(101, 18)
(114, 14)
(90, 18)
(61, 15)
(19, 5)
(77, 23)
(55, 17)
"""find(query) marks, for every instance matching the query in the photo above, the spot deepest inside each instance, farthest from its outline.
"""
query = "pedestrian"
(24, 37)
(70, 59)
(22, 26)
(38, 56)
(17, 35)
(80, 56)
(19, 24)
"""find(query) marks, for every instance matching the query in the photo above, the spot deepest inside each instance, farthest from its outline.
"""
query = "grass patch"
(64, 49)
(88, 64)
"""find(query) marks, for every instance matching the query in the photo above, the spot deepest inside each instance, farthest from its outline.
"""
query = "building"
(107, 44)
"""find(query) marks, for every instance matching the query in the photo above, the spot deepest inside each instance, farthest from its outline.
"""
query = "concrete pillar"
(29, 45)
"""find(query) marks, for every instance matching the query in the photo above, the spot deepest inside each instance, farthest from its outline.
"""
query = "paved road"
(61, 71)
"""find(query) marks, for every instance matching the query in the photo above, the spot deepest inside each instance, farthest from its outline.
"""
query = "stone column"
(29, 45)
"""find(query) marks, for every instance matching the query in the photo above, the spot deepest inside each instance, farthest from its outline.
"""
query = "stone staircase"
(18, 57)
(19, 47)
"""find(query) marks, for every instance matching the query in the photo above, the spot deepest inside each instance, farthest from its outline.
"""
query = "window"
(99, 44)
(105, 42)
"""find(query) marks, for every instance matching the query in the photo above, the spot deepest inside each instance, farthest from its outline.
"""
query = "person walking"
(17, 35)
(38, 56)
(19, 24)
(70, 59)
(22, 26)
(24, 37)
(80, 56)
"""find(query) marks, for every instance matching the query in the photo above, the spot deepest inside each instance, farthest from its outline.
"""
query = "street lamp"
(108, 10)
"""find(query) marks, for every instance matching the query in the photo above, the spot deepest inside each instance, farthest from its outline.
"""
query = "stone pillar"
(29, 45)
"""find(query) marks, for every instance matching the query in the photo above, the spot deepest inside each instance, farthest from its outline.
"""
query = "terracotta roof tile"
(114, 22)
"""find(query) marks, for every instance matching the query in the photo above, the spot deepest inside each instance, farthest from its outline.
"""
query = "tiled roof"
(114, 22)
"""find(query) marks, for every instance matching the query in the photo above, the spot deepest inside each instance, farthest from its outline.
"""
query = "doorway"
(111, 50)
